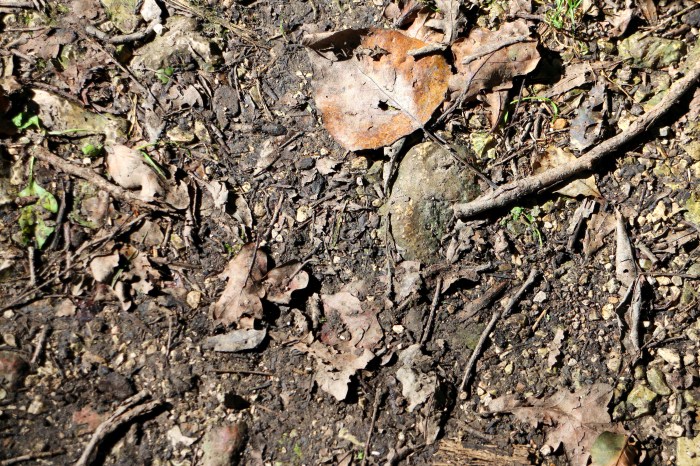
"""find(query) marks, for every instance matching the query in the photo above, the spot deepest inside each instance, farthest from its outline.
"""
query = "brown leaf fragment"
(241, 297)
(648, 10)
(102, 267)
(333, 369)
(344, 312)
(575, 418)
(129, 170)
(369, 91)
(555, 348)
(282, 281)
(489, 59)
(556, 156)
(599, 228)
(575, 75)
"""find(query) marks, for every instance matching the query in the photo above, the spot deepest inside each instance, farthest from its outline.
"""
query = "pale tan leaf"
(129, 170)
(346, 312)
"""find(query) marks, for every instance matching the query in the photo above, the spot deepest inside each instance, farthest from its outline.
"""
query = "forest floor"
(270, 232)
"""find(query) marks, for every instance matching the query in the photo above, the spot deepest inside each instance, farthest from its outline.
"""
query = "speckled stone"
(640, 400)
(428, 183)
(657, 381)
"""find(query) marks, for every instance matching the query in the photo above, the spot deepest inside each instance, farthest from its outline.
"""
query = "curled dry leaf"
(576, 418)
(369, 90)
(282, 281)
(102, 267)
(491, 59)
(249, 281)
(241, 297)
(556, 156)
(129, 170)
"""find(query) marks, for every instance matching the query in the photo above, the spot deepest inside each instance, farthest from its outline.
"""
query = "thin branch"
(115, 191)
(492, 324)
(515, 190)
(123, 415)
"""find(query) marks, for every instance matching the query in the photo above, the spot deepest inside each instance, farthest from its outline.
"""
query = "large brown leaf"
(576, 419)
(369, 90)
(491, 59)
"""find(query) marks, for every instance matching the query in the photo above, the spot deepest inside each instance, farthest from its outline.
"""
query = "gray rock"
(657, 381)
(640, 400)
(428, 183)
(650, 51)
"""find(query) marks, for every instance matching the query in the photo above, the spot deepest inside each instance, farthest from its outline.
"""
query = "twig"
(123, 415)
(60, 217)
(492, 323)
(243, 371)
(489, 49)
(31, 456)
(433, 310)
(123, 38)
(31, 258)
(482, 301)
(375, 411)
(88, 175)
(41, 342)
(515, 190)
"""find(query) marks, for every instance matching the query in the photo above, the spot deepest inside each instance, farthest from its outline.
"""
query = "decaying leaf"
(555, 348)
(129, 170)
(345, 311)
(438, 23)
(249, 282)
(556, 156)
(102, 267)
(416, 386)
(334, 369)
(241, 297)
(575, 418)
(599, 227)
(369, 90)
(611, 449)
(491, 59)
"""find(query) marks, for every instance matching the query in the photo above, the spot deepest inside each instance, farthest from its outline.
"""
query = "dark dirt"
(72, 349)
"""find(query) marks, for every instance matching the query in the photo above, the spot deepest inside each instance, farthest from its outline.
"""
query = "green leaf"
(42, 231)
(23, 121)
(611, 449)
(90, 150)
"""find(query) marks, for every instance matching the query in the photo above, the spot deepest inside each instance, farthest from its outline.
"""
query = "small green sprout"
(31, 219)
(24, 120)
(563, 11)
(164, 74)
(519, 214)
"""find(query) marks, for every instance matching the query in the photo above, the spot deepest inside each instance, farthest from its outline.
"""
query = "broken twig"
(515, 190)
(123, 415)
(492, 323)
